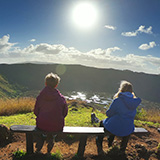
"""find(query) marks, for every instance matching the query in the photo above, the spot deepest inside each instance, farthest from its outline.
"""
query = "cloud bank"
(100, 58)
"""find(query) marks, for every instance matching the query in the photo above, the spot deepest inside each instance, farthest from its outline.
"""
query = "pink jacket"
(50, 109)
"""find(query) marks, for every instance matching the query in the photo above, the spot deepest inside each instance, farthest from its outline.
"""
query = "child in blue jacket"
(121, 113)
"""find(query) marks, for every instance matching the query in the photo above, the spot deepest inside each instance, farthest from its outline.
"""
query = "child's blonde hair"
(125, 86)
(52, 80)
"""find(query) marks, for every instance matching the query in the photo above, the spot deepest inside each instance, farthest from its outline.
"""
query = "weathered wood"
(23, 128)
(29, 143)
(69, 130)
(66, 129)
(83, 131)
(140, 130)
(82, 144)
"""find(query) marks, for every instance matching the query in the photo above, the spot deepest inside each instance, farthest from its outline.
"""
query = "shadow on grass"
(113, 153)
(68, 139)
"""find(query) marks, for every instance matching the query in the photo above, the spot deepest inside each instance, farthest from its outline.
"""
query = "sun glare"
(84, 15)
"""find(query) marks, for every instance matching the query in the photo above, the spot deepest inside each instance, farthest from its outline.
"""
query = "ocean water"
(98, 98)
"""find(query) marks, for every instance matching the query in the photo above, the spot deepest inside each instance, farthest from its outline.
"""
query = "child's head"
(52, 80)
(126, 87)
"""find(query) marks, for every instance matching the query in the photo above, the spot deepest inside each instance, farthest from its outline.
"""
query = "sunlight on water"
(79, 96)
(89, 98)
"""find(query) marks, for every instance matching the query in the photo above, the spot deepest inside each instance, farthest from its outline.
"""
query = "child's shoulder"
(117, 100)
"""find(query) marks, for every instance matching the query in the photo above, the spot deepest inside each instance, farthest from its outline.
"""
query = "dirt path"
(139, 148)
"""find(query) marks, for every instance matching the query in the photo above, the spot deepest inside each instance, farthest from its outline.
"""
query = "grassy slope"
(6, 89)
(81, 117)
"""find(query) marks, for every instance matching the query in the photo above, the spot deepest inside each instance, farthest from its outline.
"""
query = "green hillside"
(6, 89)
(82, 79)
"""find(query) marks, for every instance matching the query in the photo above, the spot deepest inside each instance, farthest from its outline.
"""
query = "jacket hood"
(49, 93)
(129, 101)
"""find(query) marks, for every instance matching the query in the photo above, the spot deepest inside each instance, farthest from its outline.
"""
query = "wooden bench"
(82, 131)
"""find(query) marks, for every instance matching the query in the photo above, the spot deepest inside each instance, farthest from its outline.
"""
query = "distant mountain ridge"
(81, 78)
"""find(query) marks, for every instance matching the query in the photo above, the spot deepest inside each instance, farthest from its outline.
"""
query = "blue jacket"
(121, 113)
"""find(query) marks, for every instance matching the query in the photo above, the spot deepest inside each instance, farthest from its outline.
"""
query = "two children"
(50, 109)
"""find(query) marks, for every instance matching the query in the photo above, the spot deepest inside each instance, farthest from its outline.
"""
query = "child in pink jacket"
(50, 109)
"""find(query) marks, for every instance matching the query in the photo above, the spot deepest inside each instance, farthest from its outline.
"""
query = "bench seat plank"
(23, 128)
(140, 130)
(66, 129)
(69, 130)
(83, 130)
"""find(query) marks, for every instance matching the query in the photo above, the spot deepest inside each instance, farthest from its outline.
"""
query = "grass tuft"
(16, 106)
(152, 115)
(19, 154)
(56, 156)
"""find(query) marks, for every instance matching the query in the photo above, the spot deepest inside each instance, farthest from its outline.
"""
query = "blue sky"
(119, 34)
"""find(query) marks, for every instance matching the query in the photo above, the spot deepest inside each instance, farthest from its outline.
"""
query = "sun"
(84, 15)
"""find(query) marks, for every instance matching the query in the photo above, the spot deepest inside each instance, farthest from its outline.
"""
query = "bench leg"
(82, 145)
(29, 143)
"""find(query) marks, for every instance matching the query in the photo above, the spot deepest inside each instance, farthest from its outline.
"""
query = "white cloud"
(32, 40)
(98, 51)
(100, 58)
(147, 30)
(101, 52)
(111, 50)
(147, 46)
(129, 34)
(4, 39)
(48, 49)
(141, 29)
(110, 27)
(5, 45)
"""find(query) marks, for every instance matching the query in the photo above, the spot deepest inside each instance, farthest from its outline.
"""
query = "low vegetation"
(11, 106)
(151, 115)
(20, 111)
(20, 154)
